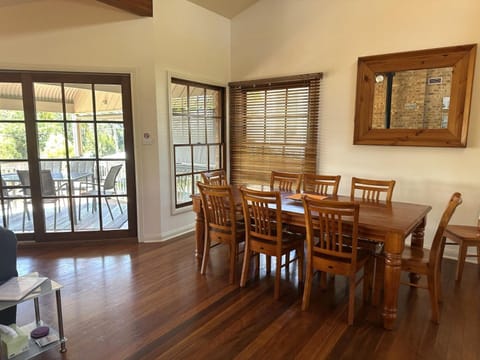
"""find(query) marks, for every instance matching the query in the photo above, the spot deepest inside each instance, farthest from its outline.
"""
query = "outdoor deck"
(87, 219)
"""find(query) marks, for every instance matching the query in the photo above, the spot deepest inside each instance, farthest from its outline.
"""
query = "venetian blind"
(273, 126)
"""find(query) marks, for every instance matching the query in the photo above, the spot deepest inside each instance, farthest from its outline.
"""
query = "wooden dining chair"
(321, 184)
(221, 223)
(317, 184)
(463, 236)
(265, 234)
(428, 262)
(370, 189)
(285, 181)
(216, 177)
(326, 250)
(373, 190)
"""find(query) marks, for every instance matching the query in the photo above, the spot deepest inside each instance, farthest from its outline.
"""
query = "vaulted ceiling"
(138, 7)
(227, 8)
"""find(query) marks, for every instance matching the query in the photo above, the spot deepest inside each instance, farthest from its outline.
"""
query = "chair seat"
(416, 260)
(218, 235)
(465, 236)
(416, 255)
(341, 266)
(288, 240)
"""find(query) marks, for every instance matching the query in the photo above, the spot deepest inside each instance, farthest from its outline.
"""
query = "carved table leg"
(417, 241)
(394, 244)
(199, 235)
(199, 226)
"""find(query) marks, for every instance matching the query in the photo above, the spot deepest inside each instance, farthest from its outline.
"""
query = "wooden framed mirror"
(415, 98)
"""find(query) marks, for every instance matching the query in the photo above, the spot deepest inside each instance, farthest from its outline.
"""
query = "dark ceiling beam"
(137, 7)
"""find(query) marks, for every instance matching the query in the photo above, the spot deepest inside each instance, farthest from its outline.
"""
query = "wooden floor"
(148, 301)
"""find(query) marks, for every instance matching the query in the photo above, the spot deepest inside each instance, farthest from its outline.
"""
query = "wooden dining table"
(390, 223)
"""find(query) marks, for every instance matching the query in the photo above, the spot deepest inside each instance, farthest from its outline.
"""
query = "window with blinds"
(273, 126)
(197, 132)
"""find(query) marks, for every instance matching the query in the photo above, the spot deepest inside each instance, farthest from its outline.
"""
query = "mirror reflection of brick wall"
(419, 99)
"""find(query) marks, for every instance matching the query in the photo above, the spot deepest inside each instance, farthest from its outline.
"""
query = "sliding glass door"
(67, 162)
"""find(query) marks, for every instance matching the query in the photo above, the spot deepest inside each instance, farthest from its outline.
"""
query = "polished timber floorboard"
(149, 301)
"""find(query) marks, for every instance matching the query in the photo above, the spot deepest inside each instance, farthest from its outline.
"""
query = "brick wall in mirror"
(415, 98)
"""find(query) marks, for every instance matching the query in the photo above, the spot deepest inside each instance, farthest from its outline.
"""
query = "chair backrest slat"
(285, 181)
(217, 177)
(321, 184)
(327, 222)
(218, 207)
(370, 189)
(262, 213)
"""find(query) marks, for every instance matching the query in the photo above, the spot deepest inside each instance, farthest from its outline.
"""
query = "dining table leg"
(394, 245)
(417, 241)
(199, 228)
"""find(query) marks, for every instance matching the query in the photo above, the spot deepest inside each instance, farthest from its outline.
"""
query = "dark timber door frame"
(85, 191)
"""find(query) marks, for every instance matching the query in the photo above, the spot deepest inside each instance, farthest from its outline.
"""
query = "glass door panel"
(15, 199)
(63, 159)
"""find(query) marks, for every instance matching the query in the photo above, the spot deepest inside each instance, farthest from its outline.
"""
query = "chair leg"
(119, 206)
(268, 264)
(257, 265)
(9, 211)
(79, 209)
(233, 255)
(55, 216)
(368, 270)
(308, 287)
(323, 280)
(368, 280)
(206, 253)
(462, 253)
(287, 261)
(300, 260)
(26, 210)
(109, 208)
(378, 280)
(351, 299)
(25, 213)
(245, 266)
(278, 274)
(433, 291)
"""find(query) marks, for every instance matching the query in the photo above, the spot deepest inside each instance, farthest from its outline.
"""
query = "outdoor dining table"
(390, 223)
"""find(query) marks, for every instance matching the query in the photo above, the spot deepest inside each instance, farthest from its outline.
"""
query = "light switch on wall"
(147, 138)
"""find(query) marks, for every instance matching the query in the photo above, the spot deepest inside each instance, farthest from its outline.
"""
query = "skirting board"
(186, 230)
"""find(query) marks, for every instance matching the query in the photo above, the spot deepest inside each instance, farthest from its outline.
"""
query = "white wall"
(86, 35)
(286, 37)
(192, 43)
